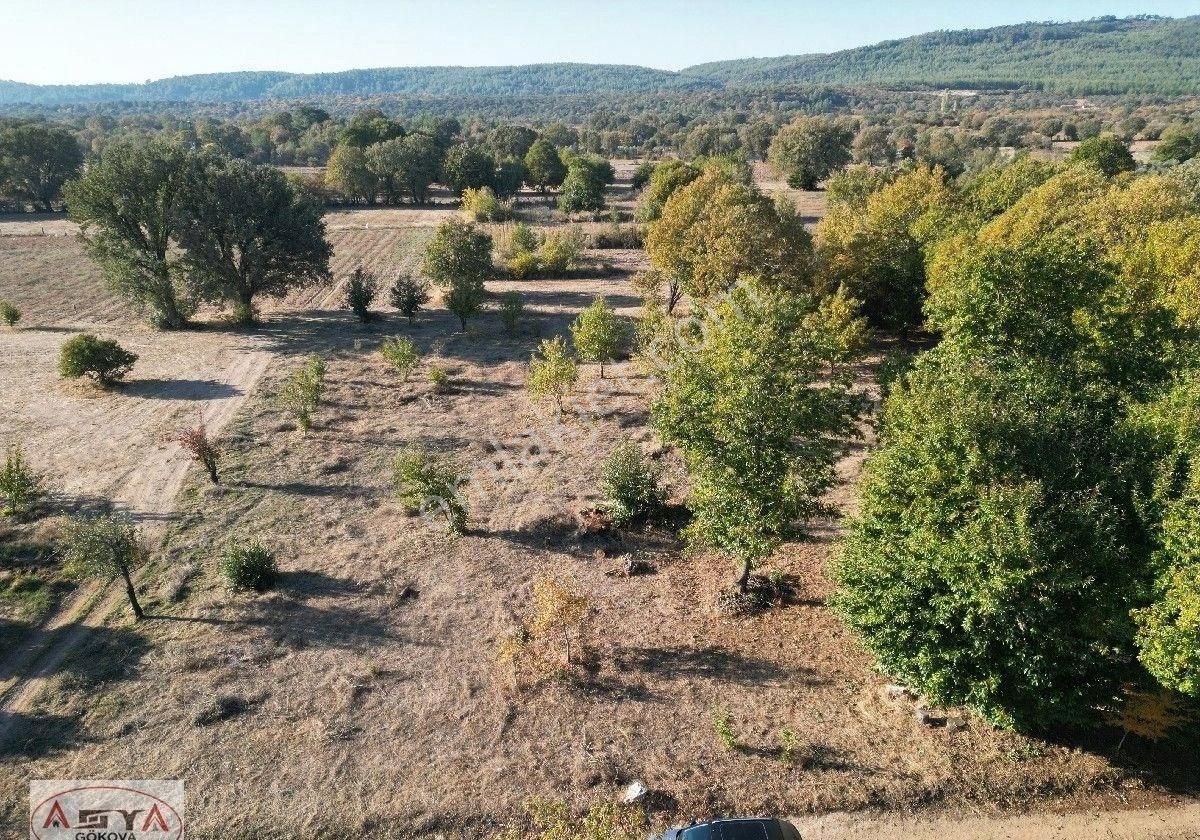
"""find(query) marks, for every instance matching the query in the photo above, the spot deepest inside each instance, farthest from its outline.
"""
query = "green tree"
(544, 166)
(104, 547)
(248, 231)
(467, 166)
(667, 177)
(598, 334)
(128, 207)
(36, 160)
(716, 229)
(1179, 142)
(20, 486)
(552, 372)
(583, 188)
(809, 149)
(348, 173)
(408, 294)
(102, 359)
(1108, 153)
(747, 400)
(360, 291)
(458, 260)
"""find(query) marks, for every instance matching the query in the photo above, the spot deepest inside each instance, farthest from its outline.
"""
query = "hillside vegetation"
(1105, 55)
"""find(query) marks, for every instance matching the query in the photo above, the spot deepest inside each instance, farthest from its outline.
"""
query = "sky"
(59, 42)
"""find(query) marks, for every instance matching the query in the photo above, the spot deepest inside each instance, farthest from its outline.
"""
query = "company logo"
(106, 809)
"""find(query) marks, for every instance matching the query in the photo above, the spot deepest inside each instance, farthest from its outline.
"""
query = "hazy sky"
(52, 41)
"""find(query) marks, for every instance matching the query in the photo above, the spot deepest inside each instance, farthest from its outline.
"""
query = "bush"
(196, 442)
(631, 484)
(409, 294)
(301, 392)
(561, 250)
(481, 205)
(429, 485)
(251, 566)
(401, 354)
(440, 378)
(552, 372)
(617, 235)
(360, 291)
(9, 314)
(641, 175)
(103, 360)
(524, 265)
(522, 239)
(19, 484)
(511, 307)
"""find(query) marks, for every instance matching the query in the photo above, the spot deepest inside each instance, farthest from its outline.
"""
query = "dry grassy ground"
(364, 695)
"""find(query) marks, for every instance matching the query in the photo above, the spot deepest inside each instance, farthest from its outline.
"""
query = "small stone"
(636, 792)
(899, 692)
(956, 722)
(927, 718)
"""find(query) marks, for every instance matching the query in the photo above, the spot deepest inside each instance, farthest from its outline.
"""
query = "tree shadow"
(301, 488)
(179, 389)
(311, 584)
(34, 736)
(1170, 762)
(709, 663)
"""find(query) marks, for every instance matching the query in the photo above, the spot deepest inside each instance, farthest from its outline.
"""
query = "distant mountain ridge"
(1143, 54)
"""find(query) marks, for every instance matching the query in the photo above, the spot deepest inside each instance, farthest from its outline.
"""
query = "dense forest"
(1146, 55)
(1106, 55)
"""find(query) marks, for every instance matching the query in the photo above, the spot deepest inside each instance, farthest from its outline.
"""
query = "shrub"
(249, 566)
(617, 235)
(723, 727)
(481, 205)
(196, 442)
(409, 294)
(511, 307)
(458, 259)
(561, 250)
(401, 354)
(429, 485)
(103, 360)
(301, 392)
(641, 175)
(19, 484)
(631, 484)
(9, 314)
(552, 372)
(104, 547)
(522, 239)
(524, 265)
(599, 334)
(360, 291)
(558, 612)
(440, 378)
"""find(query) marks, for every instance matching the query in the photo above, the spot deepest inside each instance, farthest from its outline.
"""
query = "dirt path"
(1180, 822)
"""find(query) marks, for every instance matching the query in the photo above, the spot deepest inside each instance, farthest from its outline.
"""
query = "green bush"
(360, 291)
(552, 372)
(103, 360)
(409, 294)
(9, 314)
(522, 239)
(631, 484)
(429, 485)
(524, 265)
(561, 250)
(481, 205)
(440, 378)
(249, 566)
(599, 335)
(19, 484)
(511, 307)
(301, 392)
(401, 354)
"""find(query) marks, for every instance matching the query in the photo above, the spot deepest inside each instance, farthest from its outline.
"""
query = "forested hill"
(525, 80)
(1106, 55)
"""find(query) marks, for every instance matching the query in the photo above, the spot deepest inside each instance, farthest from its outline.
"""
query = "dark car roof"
(745, 829)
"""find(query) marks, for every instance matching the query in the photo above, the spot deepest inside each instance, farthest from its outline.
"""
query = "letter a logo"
(154, 820)
(56, 818)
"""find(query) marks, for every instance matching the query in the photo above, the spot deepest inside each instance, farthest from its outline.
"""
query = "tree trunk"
(744, 579)
(602, 370)
(212, 471)
(133, 601)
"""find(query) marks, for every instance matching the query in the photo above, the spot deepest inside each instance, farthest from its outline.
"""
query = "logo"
(106, 809)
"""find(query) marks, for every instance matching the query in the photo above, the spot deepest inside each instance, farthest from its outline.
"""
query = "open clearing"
(364, 695)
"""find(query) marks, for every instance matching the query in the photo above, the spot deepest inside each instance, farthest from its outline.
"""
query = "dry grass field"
(365, 696)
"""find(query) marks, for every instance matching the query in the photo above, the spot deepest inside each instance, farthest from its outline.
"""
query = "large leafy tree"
(128, 207)
(544, 166)
(716, 229)
(809, 149)
(1108, 153)
(667, 178)
(349, 173)
(458, 260)
(36, 160)
(248, 231)
(467, 166)
(747, 398)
